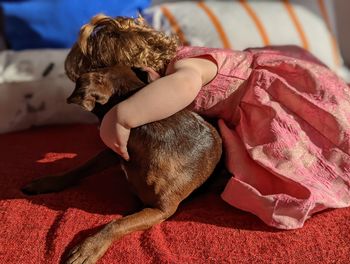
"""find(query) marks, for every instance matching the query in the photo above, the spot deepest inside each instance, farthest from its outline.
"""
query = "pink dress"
(285, 122)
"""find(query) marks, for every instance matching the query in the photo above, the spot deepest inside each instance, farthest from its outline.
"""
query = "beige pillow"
(342, 10)
(241, 24)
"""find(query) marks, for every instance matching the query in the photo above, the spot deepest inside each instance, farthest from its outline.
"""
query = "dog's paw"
(89, 251)
(45, 185)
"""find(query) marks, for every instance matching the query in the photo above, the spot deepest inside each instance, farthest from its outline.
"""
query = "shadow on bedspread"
(204, 230)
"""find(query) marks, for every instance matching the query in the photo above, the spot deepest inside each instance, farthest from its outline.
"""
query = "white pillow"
(242, 24)
(33, 91)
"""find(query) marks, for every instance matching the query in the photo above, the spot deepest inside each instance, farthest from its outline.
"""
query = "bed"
(42, 229)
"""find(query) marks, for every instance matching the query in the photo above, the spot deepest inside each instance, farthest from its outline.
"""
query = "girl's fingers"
(126, 156)
(122, 151)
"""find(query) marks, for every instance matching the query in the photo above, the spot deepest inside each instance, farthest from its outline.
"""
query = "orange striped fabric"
(335, 50)
(258, 24)
(224, 39)
(174, 25)
(297, 24)
(222, 34)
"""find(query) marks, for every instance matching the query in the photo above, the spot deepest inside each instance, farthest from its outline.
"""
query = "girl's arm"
(167, 95)
(158, 100)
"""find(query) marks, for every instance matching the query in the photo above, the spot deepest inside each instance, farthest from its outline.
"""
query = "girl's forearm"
(160, 99)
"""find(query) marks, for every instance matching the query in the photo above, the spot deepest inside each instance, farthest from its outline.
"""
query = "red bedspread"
(39, 229)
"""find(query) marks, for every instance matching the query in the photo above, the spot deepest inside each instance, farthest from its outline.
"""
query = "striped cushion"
(240, 24)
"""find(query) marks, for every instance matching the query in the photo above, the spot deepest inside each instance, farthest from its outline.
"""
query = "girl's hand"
(114, 134)
(158, 100)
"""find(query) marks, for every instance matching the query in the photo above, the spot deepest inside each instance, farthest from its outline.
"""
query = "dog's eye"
(142, 75)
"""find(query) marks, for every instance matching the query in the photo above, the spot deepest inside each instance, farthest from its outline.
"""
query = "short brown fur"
(169, 159)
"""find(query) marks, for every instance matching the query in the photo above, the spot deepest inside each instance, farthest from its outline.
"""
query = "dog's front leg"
(94, 247)
(59, 182)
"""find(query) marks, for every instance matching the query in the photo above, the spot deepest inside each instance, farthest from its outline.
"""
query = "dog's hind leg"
(61, 181)
(94, 247)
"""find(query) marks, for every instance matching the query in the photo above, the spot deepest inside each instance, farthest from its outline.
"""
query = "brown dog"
(168, 159)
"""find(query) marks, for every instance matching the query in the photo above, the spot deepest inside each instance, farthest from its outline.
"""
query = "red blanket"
(39, 229)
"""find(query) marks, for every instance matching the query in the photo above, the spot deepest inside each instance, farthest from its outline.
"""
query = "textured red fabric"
(40, 229)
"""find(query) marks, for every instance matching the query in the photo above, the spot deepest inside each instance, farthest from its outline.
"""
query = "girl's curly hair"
(106, 41)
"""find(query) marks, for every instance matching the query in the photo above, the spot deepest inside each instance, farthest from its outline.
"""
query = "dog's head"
(100, 90)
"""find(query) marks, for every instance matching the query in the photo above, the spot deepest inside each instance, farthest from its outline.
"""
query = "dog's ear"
(91, 88)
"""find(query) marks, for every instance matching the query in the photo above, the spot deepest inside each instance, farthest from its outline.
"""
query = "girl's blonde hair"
(106, 41)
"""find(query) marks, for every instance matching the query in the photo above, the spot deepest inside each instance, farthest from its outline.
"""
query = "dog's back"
(175, 155)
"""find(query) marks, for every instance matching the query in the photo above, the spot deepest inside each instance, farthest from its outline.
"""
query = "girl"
(282, 114)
